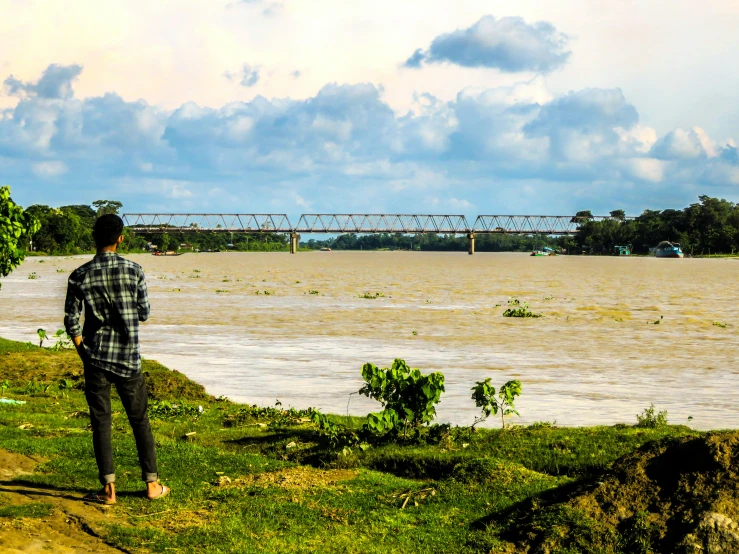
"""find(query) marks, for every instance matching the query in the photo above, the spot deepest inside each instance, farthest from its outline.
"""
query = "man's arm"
(142, 298)
(72, 311)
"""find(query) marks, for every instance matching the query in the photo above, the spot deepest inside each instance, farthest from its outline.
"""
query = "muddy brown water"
(596, 357)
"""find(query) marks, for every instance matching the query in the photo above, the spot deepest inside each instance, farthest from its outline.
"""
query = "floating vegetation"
(371, 296)
(196, 271)
(220, 290)
(226, 281)
(176, 290)
(719, 324)
(60, 270)
(266, 292)
(313, 292)
(656, 321)
(33, 275)
(193, 276)
(415, 333)
(518, 309)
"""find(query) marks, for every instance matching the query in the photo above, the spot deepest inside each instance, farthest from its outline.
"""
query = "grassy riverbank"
(260, 480)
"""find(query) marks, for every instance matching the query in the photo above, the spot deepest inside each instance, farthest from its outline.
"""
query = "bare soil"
(70, 526)
(676, 496)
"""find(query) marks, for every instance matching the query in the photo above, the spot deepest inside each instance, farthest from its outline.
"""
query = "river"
(596, 357)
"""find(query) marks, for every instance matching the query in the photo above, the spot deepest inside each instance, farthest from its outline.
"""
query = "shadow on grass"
(41, 489)
(517, 517)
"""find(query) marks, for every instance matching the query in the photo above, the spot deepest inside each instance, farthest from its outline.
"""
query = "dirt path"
(71, 526)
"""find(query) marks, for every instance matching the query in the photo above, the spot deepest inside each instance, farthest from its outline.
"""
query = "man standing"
(113, 291)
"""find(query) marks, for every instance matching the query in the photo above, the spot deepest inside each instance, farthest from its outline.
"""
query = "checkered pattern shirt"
(113, 291)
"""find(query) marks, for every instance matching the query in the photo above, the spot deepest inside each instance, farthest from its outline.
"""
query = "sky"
(327, 106)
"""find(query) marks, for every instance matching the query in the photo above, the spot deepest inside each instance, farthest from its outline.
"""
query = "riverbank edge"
(224, 466)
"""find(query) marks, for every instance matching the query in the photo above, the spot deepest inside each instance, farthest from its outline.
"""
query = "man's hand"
(78, 345)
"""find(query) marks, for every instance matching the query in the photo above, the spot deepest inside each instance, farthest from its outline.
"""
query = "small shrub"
(651, 419)
(63, 341)
(407, 396)
(483, 393)
(337, 436)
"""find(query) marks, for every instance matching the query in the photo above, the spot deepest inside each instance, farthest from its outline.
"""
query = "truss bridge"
(412, 224)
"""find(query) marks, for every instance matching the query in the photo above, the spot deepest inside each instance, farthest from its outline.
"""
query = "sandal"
(164, 492)
(98, 497)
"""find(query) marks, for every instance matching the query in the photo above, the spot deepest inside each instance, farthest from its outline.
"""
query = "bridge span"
(409, 224)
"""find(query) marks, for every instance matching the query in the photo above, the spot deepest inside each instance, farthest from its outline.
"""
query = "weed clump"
(518, 309)
(651, 419)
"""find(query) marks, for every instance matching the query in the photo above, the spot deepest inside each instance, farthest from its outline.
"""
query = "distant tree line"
(710, 226)
(438, 243)
(68, 230)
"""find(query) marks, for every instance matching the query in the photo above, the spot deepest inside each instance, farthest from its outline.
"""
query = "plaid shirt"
(113, 291)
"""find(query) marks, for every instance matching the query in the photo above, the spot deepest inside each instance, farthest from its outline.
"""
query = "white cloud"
(645, 169)
(49, 169)
(333, 147)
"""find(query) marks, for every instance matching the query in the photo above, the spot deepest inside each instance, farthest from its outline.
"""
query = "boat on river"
(667, 249)
(545, 251)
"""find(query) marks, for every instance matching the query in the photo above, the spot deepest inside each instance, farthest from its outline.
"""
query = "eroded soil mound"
(22, 364)
(675, 496)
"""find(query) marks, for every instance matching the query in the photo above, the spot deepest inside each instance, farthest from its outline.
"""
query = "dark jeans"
(132, 392)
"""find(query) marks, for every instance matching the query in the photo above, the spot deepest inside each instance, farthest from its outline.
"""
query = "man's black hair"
(107, 229)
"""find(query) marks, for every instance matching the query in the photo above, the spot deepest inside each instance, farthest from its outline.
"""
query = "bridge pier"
(471, 240)
(294, 242)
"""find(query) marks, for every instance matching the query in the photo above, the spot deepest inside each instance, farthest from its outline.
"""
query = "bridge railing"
(358, 223)
(531, 224)
(382, 223)
(226, 223)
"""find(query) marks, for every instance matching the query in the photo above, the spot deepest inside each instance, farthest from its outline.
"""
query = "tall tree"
(14, 224)
(107, 206)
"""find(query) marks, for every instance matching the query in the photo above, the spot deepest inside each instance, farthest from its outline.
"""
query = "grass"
(422, 496)
(34, 509)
